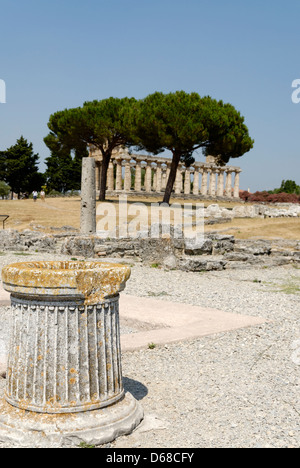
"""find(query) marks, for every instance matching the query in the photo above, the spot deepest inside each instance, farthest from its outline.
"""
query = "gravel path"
(235, 389)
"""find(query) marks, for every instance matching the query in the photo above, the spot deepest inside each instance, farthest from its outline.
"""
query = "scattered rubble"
(253, 211)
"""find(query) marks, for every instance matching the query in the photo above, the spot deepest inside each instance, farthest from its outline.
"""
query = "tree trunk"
(103, 175)
(172, 177)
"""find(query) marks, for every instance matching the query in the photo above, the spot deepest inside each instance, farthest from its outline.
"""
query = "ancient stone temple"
(148, 175)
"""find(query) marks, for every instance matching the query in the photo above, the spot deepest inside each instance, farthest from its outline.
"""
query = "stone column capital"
(138, 159)
(221, 169)
(118, 157)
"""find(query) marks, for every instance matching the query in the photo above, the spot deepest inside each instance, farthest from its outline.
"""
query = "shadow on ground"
(137, 389)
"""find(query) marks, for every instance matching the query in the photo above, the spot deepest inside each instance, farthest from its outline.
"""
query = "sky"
(58, 54)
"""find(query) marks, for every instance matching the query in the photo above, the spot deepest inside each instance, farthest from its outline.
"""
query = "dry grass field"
(259, 228)
(54, 212)
(58, 212)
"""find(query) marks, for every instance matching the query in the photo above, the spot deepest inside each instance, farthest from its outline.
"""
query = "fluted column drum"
(64, 354)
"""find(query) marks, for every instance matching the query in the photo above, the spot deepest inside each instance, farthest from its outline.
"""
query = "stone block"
(82, 246)
(196, 247)
(207, 263)
(244, 211)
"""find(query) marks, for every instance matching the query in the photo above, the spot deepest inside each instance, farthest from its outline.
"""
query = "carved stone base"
(21, 428)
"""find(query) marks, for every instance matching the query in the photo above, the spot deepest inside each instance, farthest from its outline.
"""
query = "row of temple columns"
(199, 179)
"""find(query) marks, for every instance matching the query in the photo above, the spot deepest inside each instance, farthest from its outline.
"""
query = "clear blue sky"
(56, 54)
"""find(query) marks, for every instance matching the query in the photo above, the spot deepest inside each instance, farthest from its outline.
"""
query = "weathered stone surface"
(215, 211)
(203, 263)
(161, 250)
(290, 211)
(282, 260)
(65, 353)
(91, 281)
(9, 239)
(221, 247)
(252, 211)
(170, 262)
(88, 197)
(236, 257)
(79, 245)
(221, 237)
(26, 241)
(155, 250)
(261, 247)
(212, 221)
(244, 211)
(195, 247)
(21, 428)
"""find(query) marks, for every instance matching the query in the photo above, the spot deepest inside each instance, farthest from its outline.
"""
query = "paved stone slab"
(178, 321)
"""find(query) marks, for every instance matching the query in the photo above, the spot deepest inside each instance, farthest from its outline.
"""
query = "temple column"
(119, 174)
(166, 175)
(220, 189)
(178, 181)
(158, 177)
(148, 177)
(143, 168)
(187, 181)
(228, 191)
(164, 178)
(212, 184)
(138, 177)
(196, 182)
(127, 177)
(236, 192)
(154, 178)
(204, 172)
(110, 177)
(88, 197)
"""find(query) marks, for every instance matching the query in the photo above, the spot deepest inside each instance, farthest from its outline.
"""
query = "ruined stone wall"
(216, 252)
